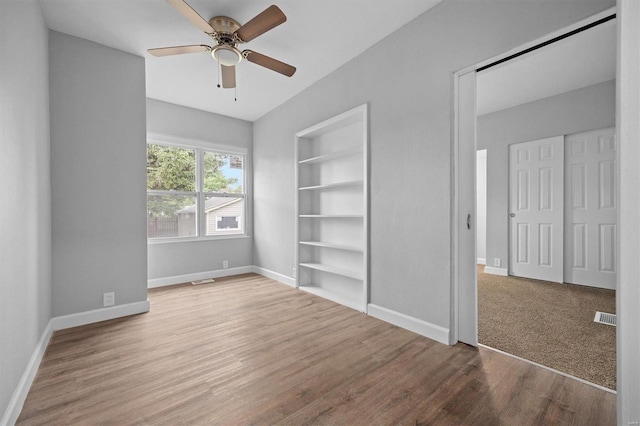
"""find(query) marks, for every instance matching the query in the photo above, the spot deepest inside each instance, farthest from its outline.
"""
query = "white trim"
(275, 276)
(496, 271)
(165, 139)
(208, 238)
(351, 116)
(424, 328)
(97, 315)
(197, 276)
(20, 394)
(59, 323)
(628, 155)
(553, 370)
(482, 261)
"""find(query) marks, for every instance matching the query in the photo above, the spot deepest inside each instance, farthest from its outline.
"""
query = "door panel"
(536, 209)
(466, 199)
(590, 209)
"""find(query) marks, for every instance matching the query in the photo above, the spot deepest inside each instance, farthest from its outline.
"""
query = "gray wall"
(481, 204)
(581, 110)
(406, 79)
(97, 174)
(25, 216)
(182, 258)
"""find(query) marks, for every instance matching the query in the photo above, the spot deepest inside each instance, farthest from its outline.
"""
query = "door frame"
(628, 156)
(463, 293)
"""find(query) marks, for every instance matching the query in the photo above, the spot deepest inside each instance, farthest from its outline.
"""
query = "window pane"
(223, 173)
(224, 215)
(171, 216)
(171, 168)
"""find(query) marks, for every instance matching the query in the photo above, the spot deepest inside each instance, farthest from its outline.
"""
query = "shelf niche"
(332, 238)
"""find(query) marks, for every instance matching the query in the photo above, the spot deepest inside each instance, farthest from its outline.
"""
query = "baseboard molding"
(59, 323)
(179, 279)
(424, 328)
(97, 315)
(20, 394)
(275, 276)
(481, 261)
(496, 271)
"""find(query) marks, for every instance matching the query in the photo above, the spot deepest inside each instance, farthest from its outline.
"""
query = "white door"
(466, 207)
(591, 208)
(536, 186)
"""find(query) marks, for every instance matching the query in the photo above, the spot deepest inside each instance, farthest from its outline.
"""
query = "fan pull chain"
(235, 94)
(219, 75)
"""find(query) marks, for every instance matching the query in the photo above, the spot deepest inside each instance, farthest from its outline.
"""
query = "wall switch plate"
(108, 299)
(293, 273)
(225, 264)
(497, 262)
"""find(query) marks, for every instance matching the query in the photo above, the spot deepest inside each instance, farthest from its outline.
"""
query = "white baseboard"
(424, 328)
(496, 271)
(97, 315)
(482, 261)
(275, 276)
(179, 279)
(59, 323)
(20, 394)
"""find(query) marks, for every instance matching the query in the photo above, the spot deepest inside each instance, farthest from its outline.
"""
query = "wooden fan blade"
(179, 50)
(188, 12)
(267, 62)
(268, 19)
(228, 76)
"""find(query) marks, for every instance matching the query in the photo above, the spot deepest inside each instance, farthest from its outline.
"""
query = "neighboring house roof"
(211, 204)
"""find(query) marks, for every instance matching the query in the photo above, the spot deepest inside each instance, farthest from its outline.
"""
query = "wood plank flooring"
(248, 350)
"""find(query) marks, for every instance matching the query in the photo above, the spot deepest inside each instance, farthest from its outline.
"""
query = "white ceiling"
(581, 60)
(318, 37)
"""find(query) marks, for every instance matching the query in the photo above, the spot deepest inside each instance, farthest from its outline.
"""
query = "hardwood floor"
(248, 350)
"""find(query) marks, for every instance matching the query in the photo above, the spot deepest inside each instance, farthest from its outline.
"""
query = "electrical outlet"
(108, 299)
(293, 273)
(497, 262)
(225, 264)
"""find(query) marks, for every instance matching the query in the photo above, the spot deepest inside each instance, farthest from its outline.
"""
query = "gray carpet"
(549, 323)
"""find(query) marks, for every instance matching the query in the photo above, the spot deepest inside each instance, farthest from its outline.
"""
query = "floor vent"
(604, 318)
(205, 281)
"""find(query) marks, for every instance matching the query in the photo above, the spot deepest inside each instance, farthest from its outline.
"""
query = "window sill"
(196, 239)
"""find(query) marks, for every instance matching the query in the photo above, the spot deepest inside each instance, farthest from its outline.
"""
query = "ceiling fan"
(227, 34)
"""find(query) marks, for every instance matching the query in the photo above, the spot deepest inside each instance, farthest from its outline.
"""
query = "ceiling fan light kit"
(228, 33)
(226, 55)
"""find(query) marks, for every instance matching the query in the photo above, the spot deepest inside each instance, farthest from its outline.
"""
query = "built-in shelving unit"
(332, 236)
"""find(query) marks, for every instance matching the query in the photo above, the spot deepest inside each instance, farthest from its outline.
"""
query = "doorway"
(499, 260)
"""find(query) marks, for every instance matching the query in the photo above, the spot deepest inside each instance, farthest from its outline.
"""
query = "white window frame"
(200, 147)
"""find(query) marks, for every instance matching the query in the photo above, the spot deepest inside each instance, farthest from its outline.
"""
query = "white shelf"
(331, 156)
(333, 270)
(332, 246)
(333, 185)
(333, 296)
(332, 178)
(334, 216)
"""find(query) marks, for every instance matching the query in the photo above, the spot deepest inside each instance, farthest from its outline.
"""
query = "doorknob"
(512, 215)
(469, 221)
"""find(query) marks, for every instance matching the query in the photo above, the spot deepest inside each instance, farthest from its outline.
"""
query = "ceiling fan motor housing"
(225, 52)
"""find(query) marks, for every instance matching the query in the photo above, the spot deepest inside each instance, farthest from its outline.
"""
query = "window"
(193, 192)
(227, 222)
